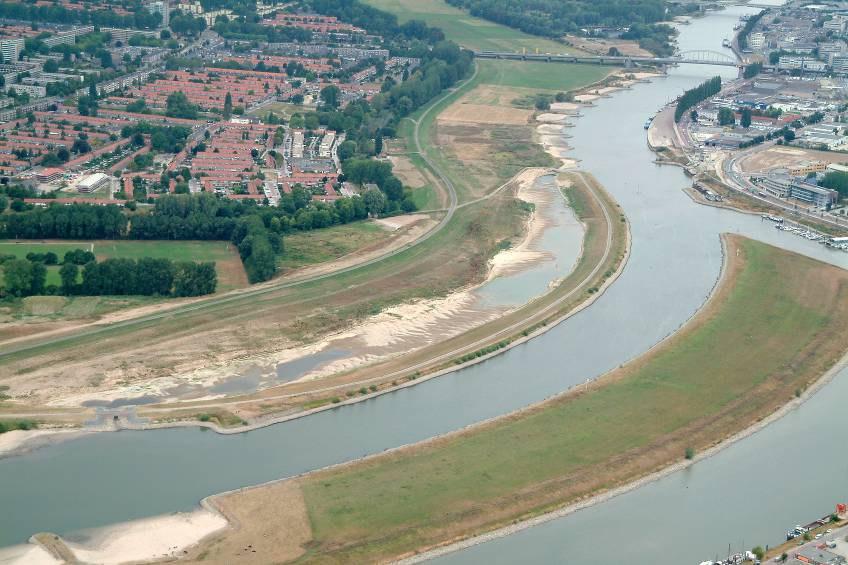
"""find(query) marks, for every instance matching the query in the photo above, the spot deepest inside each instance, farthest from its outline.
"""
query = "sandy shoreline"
(18, 442)
(156, 538)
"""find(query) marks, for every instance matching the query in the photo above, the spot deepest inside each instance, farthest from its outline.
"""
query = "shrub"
(690, 453)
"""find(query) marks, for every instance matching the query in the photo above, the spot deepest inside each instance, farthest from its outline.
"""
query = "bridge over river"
(694, 57)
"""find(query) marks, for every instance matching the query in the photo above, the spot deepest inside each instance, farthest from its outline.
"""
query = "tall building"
(11, 49)
(162, 8)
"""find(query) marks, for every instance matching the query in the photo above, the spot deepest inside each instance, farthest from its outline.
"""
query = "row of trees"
(113, 277)
(696, 95)
(742, 37)
(555, 18)
(147, 276)
(140, 18)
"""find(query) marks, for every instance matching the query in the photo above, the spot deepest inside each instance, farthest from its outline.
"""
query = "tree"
(543, 102)
(726, 117)
(330, 96)
(17, 277)
(177, 105)
(68, 274)
(105, 59)
(375, 201)
(745, 119)
(759, 552)
(788, 135)
(378, 144)
(51, 66)
(87, 106)
(39, 278)
(4, 203)
(228, 106)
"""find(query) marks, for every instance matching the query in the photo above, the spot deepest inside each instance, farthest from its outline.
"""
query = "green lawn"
(281, 110)
(308, 248)
(773, 329)
(539, 75)
(468, 31)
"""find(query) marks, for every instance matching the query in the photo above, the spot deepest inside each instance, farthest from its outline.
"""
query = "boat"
(725, 42)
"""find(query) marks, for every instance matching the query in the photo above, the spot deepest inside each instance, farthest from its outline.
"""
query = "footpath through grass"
(776, 324)
(466, 30)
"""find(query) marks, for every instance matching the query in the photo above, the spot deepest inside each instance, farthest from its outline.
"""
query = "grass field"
(539, 75)
(468, 31)
(281, 110)
(230, 271)
(777, 321)
(318, 246)
(480, 157)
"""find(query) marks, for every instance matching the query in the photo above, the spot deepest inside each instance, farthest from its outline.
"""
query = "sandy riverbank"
(394, 331)
(156, 538)
(18, 442)
(26, 554)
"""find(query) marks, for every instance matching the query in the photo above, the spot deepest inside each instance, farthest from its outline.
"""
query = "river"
(676, 256)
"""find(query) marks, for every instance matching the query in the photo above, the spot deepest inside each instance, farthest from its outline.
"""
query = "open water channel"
(106, 478)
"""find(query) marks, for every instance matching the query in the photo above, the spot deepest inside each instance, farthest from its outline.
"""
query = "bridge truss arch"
(708, 57)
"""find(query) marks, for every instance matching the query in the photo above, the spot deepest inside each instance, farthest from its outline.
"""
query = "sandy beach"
(27, 554)
(150, 538)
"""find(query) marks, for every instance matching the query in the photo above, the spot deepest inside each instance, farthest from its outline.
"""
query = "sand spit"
(159, 537)
(27, 554)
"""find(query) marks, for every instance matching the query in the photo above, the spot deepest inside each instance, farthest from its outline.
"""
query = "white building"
(757, 40)
(327, 144)
(837, 24)
(33, 90)
(93, 182)
(297, 145)
(790, 62)
(162, 8)
(11, 49)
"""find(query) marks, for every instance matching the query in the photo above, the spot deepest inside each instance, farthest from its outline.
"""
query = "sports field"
(468, 31)
(774, 326)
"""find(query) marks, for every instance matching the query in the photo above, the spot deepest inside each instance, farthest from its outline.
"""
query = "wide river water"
(106, 478)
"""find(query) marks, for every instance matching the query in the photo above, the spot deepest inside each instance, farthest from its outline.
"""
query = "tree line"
(555, 18)
(55, 13)
(742, 37)
(82, 275)
(696, 95)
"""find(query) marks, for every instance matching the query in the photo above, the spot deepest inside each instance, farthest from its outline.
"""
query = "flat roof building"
(93, 182)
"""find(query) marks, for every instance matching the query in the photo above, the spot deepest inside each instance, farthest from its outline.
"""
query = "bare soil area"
(782, 157)
(602, 46)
